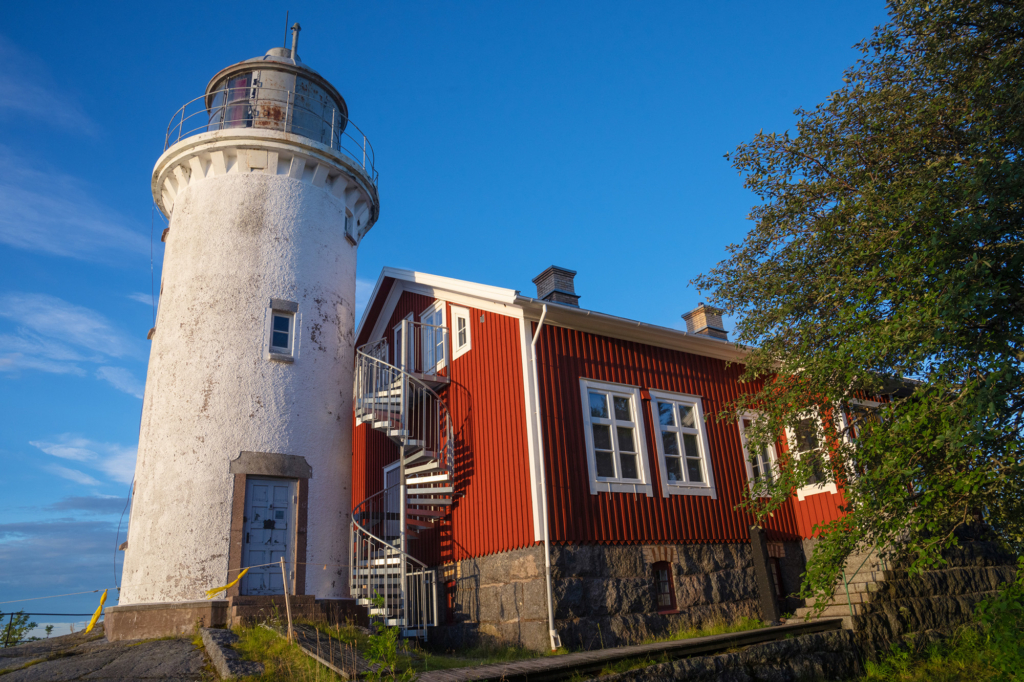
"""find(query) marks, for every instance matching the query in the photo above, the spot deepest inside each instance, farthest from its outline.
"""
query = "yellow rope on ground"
(210, 594)
(99, 610)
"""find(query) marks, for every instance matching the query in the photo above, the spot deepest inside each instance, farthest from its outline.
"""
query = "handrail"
(264, 108)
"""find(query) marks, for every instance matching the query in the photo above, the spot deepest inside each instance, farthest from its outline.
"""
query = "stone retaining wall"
(604, 595)
(823, 656)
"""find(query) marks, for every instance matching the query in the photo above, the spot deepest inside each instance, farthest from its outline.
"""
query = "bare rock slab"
(220, 648)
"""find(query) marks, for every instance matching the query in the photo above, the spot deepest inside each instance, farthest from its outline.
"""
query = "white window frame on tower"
(792, 441)
(460, 316)
(676, 404)
(288, 310)
(617, 483)
(772, 464)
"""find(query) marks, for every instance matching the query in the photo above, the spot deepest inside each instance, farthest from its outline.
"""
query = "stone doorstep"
(266, 600)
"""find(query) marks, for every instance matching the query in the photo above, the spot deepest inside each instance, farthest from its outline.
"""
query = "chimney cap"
(556, 284)
(706, 320)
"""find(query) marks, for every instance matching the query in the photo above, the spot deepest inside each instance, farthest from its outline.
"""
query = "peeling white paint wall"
(236, 240)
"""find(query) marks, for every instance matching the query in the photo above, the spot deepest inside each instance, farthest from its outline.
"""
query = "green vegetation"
(714, 628)
(14, 629)
(282, 662)
(887, 244)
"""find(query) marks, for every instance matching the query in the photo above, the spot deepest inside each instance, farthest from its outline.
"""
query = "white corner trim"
(616, 486)
(532, 434)
(682, 488)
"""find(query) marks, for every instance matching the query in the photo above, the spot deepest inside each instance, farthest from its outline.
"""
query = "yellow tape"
(99, 610)
(211, 593)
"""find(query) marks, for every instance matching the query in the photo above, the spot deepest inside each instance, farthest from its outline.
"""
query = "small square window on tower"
(281, 332)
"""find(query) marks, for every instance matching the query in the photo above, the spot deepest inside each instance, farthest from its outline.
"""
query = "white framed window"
(404, 350)
(761, 463)
(462, 341)
(281, 335)
(432, 338)
(684, 459)
(860, 411)
(614, 432)
(806, 437)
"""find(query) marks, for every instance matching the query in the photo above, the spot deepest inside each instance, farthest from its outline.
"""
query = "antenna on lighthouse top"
(295, 40)
(284, 43)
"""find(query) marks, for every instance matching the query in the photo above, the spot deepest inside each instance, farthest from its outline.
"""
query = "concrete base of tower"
(163, 619)
(168, 619)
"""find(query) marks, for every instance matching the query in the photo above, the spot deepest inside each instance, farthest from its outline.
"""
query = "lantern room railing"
(273, 109)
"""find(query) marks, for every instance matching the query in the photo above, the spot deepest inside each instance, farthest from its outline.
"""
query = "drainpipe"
(555, 641)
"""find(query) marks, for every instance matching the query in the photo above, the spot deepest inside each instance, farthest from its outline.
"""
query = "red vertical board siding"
(564, 357)
(492, 510)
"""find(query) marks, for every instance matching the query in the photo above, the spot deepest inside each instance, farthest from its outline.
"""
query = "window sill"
(280, 357)
(701, 491)
(668, 612)
(617, 487)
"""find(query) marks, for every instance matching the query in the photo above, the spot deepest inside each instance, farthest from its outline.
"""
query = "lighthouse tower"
(245, 445)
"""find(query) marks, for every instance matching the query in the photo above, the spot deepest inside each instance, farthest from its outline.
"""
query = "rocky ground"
(91, 657)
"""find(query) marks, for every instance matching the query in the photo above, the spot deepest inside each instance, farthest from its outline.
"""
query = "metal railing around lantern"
(262, 108)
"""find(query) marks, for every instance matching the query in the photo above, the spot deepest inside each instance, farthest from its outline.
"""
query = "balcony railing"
(273, 109)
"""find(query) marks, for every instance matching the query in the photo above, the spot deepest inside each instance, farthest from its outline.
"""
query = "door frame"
(271, 466)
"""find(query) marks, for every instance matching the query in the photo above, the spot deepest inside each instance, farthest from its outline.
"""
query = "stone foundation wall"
(823, 656)
(604, 595)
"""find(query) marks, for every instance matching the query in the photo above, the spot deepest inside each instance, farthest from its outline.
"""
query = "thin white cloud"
(122, 380)
(140, 297)
(364, 287)
(72, 475)
(48, 211)
(49, 326)
(115, 461)
(31, 92)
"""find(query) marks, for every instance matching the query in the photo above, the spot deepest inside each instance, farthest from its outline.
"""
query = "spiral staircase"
(402, 402)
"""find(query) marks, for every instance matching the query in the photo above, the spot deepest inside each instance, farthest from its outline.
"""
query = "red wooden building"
(487, 420)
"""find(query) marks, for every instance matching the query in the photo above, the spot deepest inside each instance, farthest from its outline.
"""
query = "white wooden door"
(269, 534)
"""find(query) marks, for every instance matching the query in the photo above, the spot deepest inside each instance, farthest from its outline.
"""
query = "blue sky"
(508, 136)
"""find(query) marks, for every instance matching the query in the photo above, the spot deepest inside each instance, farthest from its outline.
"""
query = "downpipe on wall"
(556, 643)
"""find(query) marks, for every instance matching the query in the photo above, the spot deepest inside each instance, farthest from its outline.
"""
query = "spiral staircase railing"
(399, 589)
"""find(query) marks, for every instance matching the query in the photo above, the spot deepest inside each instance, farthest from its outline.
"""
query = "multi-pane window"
(616, 451)
(281, 332)
(761, 461)
(461, 341)
(805, 440)
(682, 444)
(432, 337)
(664, 589)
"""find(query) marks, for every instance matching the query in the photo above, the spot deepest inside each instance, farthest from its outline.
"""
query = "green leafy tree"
(887, 258)
(15, 627)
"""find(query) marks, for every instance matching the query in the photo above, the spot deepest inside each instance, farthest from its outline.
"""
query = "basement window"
(614, 434)
(665, 592)
(461, 341)
(682, 443)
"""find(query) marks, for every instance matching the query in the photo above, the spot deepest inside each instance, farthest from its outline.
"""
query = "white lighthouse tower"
(245, 446)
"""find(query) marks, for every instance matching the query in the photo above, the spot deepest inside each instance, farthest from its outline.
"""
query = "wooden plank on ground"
(321, 647)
